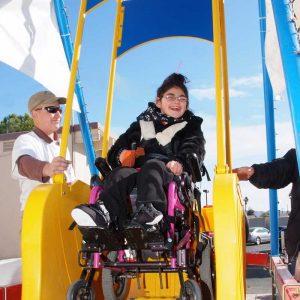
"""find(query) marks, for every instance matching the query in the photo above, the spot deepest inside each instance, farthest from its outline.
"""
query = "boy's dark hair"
(172, 80)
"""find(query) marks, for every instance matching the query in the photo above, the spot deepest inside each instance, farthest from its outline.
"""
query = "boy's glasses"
(173, 98)
(51, 109)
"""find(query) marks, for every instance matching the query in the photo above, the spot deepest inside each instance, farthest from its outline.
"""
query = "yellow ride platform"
(49, 248)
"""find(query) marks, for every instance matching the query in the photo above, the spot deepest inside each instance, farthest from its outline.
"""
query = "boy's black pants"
(151, 181)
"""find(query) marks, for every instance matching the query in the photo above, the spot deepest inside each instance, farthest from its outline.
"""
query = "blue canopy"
(147, 20)
(91, 4)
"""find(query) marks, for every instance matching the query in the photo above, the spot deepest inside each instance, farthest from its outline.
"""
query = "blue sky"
(141, 71)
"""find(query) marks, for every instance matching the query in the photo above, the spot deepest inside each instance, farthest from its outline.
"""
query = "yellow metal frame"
(229, 238)
(109, 102)
(49, 249)
(225, 87)
(68, 113)
(229, 227)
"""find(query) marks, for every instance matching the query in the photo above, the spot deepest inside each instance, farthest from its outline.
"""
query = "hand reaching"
(244, 173)
(57, 166)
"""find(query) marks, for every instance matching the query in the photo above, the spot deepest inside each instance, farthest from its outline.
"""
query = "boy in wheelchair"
(148, 156)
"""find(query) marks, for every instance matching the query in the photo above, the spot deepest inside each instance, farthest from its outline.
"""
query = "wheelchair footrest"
(102, 238)
(139, 238)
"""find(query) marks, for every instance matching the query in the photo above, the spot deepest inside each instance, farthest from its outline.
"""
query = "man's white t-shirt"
(31, 144)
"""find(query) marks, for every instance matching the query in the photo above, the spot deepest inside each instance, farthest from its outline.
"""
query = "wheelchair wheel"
(114, 286)
(79, 291)
(193, 291)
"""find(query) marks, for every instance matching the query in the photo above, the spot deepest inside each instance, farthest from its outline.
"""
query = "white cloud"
(237, 93)
(243, 82)
(209, 93)
(205, 93)
(247, 81)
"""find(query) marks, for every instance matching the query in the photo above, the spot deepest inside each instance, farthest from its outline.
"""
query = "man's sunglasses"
(51, 109)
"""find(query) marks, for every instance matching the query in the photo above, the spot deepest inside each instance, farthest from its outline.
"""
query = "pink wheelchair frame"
(178, 245)
(173, 205)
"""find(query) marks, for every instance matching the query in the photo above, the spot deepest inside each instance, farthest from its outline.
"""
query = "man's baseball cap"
(43, 97)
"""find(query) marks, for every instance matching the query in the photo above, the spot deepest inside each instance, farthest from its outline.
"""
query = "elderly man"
(35, 156)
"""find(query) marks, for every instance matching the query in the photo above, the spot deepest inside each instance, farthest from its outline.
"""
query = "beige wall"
(10, 215)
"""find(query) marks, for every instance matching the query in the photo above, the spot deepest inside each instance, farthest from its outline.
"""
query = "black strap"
(72, 226)
(197, 195)
(205, 172)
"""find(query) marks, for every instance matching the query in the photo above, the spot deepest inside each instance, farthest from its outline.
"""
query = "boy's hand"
(175, 167)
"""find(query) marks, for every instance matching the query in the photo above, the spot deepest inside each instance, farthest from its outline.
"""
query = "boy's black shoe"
(143, 230)
(91, 215)
(146, 216)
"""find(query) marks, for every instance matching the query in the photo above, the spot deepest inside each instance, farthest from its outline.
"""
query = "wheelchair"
(181, 246)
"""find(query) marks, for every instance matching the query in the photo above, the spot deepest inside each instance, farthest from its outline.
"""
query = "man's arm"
(32, 168)
(35, 169)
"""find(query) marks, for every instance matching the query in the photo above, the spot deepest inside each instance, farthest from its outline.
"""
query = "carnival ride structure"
(286, 18)
(49, 249)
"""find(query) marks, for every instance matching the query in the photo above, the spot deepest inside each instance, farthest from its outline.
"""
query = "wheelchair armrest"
(103, 166)
(195, 167)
